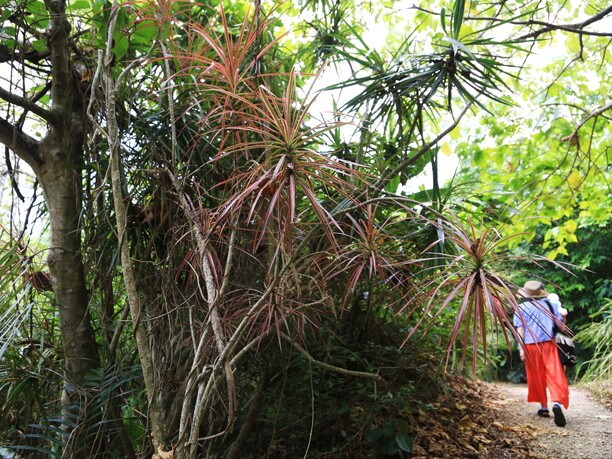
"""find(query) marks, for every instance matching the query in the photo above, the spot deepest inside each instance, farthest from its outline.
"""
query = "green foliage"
(391, 440)
(28, 340)
(551, 167)
(598, 337)
(95, 428)
(346, 415)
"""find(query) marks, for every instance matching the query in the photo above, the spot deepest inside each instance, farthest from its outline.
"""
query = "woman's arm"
(521, 333)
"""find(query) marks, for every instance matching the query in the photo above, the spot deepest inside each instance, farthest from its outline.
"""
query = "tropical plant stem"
(156, 413)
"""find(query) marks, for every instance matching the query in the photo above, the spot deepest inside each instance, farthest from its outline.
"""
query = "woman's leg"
(555, 374)
(536, 374)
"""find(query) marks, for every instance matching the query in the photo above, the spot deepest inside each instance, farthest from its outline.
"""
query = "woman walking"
(538, 349)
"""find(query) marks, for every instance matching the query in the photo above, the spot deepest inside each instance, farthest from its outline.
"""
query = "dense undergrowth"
(296, 407)
(417, 409)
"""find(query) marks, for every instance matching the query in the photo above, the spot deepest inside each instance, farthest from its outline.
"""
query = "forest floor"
(587, 435)
(494, 421)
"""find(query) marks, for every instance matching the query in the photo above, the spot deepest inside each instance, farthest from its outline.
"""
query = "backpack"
(565, 345)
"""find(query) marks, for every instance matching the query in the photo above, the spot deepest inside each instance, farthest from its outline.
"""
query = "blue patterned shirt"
(534, 316)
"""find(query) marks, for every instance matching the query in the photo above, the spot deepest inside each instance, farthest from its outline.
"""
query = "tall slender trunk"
(157, 415)
(59, 173)
(57, 161)
(66, 268)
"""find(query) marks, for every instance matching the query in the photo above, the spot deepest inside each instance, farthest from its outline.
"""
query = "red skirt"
(544, 370)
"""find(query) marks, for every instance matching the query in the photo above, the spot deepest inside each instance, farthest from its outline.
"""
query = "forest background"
(206, 219)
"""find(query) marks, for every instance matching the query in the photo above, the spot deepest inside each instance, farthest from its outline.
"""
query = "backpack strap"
(555, 327)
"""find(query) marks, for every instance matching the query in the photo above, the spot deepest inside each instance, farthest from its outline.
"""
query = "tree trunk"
(57, 162)
(60, 182)
(59, 173)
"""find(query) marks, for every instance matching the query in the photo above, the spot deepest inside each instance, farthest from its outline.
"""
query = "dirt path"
(588, 434)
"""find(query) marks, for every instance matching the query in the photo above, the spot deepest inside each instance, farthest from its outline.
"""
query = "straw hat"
(533, 289)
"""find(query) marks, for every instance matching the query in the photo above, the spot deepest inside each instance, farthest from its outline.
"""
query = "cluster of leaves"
(414, 406)
(552, 167)
(547, 183)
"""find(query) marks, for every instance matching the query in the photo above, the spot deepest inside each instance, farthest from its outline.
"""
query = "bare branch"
(28, 105)
(573, 28)
(327, 366)
(23, 145)
(32, 56)
(573, 137)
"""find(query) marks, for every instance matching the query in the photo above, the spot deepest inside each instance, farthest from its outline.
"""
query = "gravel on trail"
(587, 435)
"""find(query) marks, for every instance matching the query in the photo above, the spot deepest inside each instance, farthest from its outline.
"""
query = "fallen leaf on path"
(466, 423)
(482, 439)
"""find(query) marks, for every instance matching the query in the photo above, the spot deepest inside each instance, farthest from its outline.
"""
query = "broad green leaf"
(37, 8)
(571, 226)
(423, 20)
(121, 46)
(7, 32)
(551, 203)
(78, 5)
(466, 31)
(480, 158)
(574, 180)
(572, 42)
(403, 442)
(455, 133)
(145, 32)
(39, 45)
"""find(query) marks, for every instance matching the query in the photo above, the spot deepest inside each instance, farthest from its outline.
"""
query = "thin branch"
(28, 105)
(33, 57)
(573, 28)
(213, 298)
(573, 137)
(547, 26)
(593, 114)
(424, 149)
(23, 145)
(327, 366)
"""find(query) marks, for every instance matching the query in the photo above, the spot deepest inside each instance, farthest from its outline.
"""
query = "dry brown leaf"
(482, 439)
(466, 423)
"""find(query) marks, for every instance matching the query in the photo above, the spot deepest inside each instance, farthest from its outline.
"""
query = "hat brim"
(538, 294)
